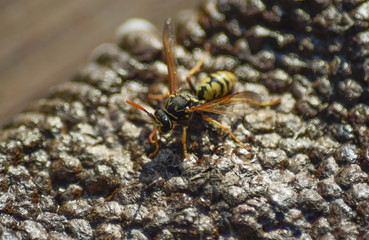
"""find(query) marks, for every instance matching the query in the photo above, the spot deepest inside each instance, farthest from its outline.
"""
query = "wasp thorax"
(163, 119)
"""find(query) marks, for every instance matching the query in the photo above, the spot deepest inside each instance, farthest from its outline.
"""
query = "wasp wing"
(221, 105)
(169, 48)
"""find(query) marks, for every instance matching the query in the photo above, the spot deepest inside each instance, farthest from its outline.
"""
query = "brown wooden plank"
(44, 42)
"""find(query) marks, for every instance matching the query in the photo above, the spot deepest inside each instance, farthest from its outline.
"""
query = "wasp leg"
(184, 137)
(153, 139)
(158, 97)
(208, 119)
(196, 69)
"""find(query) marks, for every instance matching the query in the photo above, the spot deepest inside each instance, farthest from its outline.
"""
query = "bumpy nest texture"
(75, 164)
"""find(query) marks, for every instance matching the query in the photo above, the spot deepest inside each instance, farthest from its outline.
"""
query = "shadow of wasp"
(212, 96)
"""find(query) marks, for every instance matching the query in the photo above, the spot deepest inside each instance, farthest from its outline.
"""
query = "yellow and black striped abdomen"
(216, 85)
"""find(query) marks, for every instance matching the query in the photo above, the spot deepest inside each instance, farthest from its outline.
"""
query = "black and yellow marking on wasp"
(178, 105)
(216, 85)
(213, 96)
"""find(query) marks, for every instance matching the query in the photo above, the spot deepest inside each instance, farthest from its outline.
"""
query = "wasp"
(212, 96)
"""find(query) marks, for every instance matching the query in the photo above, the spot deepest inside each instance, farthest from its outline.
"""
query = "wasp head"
(165, 123)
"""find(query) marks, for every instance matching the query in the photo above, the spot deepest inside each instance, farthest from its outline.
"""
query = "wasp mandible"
(213, 96)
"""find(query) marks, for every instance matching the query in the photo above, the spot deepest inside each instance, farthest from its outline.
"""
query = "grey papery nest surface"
(75, 165)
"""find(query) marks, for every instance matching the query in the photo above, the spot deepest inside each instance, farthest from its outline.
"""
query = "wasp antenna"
(152, 136)
(141, 108)
(154, 139)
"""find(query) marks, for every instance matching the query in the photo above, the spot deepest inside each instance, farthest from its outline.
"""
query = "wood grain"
(44, 42)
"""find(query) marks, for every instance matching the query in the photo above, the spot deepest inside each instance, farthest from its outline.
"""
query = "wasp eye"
(163, 119)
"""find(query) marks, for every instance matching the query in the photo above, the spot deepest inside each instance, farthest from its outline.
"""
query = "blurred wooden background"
(44, 42)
